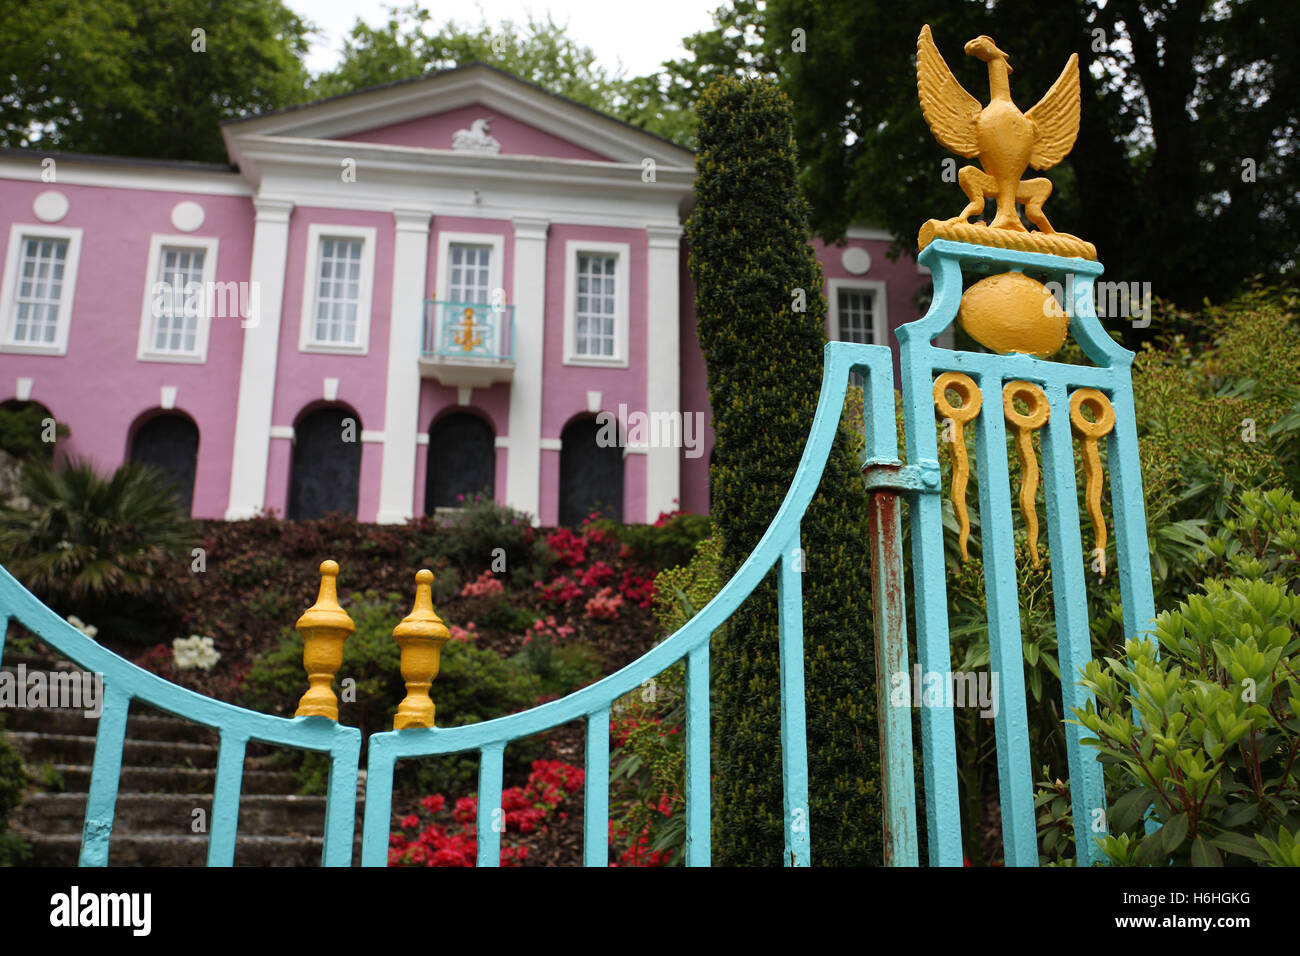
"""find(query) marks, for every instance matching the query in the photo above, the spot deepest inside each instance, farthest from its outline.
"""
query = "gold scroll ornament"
(966, 389)
(1035, 416)
(1089, 432)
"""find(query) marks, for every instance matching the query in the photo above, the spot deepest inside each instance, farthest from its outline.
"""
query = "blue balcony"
(467, 344)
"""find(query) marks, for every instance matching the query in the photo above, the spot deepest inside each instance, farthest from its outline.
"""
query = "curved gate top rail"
(125, 682)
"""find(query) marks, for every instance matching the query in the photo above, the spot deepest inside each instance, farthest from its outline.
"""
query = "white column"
(524, 455)
(663, 365)
(402, 394)
(261, 353)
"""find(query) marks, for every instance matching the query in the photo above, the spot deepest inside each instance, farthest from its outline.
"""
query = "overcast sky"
(621, 33)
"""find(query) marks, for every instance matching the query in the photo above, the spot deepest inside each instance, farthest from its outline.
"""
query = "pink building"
(387, 300)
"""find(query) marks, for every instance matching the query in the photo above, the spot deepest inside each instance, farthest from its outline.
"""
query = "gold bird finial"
(1006, 142)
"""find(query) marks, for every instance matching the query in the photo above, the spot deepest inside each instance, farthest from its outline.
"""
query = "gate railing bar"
(794, 734)
(124, 682)
(593, 702)
(699, 837)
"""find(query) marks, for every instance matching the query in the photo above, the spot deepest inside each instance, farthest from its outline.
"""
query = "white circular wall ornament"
(50, 206)
(187, 216)
(856, 260)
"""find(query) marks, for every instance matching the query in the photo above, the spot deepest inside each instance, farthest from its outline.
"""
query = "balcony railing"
(467, 343)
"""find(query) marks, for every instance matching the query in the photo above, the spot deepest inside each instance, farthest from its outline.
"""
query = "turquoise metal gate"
(984, 381)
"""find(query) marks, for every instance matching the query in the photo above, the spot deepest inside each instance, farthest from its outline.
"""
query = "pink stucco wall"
(565, 395)
(300, 376)
(517, 138)
(99, 388)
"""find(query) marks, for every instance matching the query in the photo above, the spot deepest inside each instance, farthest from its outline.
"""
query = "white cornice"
(72, 172)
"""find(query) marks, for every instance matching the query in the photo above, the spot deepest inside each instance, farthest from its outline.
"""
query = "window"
(857, 314)
(337, 287)
(596, 303)
(471, 274)
(178, 299)
(39, 279)
(855, 310)
(595, 310)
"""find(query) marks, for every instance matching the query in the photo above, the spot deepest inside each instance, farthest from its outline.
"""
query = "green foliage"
(1206, 737)
(749, 256)
(539, 51)
(22, 432)
(1186, 216)
(666, 544)
(471, 537)
(98, 547)
(682, 591)
(473, 685)
(128, 81)
(13, 781)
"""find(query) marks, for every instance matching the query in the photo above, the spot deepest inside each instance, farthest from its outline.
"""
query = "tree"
(150, 78)
(539, 51)
(748, 255)
(1185, 173)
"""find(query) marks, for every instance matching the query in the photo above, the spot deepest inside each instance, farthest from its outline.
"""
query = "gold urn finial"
(1006, 142)
(421, 635)
(324, 627)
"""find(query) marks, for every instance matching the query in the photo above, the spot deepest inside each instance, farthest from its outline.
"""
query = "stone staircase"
(168, 772)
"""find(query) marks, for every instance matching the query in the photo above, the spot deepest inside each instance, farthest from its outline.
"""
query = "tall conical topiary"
(761, 318)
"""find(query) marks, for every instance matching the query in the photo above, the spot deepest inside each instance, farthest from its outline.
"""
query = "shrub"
(1205, 737)
(472, 536)
(22, 433)
(108, 548)
(13, 781)
(668, 543)
(753, 271)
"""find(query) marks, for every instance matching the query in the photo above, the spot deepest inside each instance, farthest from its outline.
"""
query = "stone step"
(64, 849)
(76, 779)
(75, 723)
(68, 748)
(155, 814)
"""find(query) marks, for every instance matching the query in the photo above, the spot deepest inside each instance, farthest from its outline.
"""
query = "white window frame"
(19, 233)
(879, 317)
(317, 231)
(496, 269)
(622, 299)
(145, 351)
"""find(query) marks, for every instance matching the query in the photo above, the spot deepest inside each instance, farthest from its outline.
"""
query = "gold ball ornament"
(1011, 312)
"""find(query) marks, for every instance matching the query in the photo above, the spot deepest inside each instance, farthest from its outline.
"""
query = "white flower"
(194, 652)
(87, 629)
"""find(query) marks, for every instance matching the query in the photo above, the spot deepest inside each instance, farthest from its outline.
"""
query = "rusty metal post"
(893, 716)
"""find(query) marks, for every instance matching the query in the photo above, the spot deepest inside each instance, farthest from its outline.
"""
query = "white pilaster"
(261, 352)
(663, 365)
(524, 459)
(402, 395)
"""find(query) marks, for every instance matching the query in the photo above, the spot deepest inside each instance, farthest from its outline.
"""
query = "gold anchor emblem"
(467, 337)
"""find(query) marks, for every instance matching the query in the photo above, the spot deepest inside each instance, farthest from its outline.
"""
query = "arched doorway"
(591, 477)
(170, 443)
(461, 460)
(326, 472)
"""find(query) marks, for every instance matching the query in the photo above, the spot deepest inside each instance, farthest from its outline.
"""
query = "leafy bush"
(473, 685)
(471, 537)
(22, 433)
(13, 781)
(105, 548)
(668, 543)
(1212, 753)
